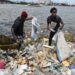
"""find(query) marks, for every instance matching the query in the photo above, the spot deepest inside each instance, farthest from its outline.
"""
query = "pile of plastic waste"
(36, 58)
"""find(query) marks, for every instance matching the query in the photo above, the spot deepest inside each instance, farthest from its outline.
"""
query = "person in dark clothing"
(17, 28)
(54, 22)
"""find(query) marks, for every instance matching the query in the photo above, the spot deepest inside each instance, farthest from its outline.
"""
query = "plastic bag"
(5, 72)
(21, 69)
(2, 72)
(62, 48)
(35, 29)
(55, 37)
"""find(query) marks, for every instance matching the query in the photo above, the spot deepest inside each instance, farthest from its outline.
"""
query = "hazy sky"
(59, 1)
(67, 1)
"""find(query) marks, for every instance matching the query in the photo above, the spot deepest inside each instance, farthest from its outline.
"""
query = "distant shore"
(41, 4)
(36, 4)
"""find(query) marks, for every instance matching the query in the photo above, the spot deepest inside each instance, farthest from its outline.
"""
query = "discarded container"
(2, 64)
(66, 63)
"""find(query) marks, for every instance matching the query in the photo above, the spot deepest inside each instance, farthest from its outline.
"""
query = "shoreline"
(37, 5)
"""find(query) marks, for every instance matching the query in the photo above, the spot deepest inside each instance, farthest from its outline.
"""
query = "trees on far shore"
(3, 1)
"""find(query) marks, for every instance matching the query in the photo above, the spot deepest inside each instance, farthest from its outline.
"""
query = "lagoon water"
(9, 12)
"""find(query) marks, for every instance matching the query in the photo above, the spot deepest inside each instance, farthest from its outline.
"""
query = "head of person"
(53, 11)
(24, 15)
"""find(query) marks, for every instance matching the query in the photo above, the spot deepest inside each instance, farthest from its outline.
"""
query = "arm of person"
(29, 18)
(61, 24)
(13, 34)
(48, 24)
(49, 27)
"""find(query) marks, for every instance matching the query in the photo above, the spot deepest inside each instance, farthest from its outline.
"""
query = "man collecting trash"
(18, 26)
(54, 22)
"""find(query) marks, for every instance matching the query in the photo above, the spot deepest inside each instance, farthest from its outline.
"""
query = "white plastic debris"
(13, 65)
(22, 68)
(35, 29)
(66, 71)
(5, 72)
(2, 72)
(72, 71)
(51, 47)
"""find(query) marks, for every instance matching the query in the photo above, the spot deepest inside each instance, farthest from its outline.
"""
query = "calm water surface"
(8, 14)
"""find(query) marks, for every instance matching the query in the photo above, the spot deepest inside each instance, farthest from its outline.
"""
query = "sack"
(62, 48)
(35, 29)
(55, 37)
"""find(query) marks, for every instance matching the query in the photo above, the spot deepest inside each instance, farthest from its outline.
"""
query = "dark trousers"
(50, 37)
(53, 33)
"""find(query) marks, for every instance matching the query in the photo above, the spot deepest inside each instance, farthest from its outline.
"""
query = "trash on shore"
(36, 58)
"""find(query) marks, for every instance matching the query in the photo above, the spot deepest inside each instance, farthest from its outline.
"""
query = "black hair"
(52, 9)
